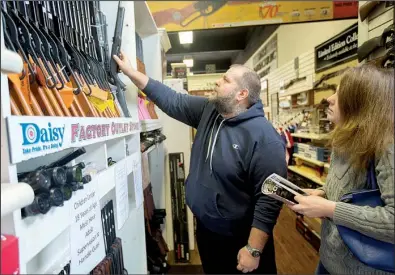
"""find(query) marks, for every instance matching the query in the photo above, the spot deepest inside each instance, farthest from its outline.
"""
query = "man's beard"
(224, 104)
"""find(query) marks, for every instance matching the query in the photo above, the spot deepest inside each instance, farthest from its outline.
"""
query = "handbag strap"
(371, 176)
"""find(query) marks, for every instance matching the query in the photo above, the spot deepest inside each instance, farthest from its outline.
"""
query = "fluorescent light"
(188, 62)
(186, 37)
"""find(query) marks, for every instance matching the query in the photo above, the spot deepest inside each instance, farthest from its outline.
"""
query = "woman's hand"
(315, 192)
(314, 206)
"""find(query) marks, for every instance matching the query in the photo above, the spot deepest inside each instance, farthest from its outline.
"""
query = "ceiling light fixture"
(186, 37)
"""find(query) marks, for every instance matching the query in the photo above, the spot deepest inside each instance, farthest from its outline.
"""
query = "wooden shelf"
(311, 136)
(313, 161)
(307, 173)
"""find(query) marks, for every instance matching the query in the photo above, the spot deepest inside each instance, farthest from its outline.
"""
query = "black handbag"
(373, 253)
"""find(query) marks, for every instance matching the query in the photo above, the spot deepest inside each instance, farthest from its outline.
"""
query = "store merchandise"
(385, 40)
(64, 74)
(115, 50)
(281, 189)
(367, 8)
(179, 207)
(157, 248)
(65, 270)
(53, 183)
(312, 152)
(308, 232)
(148, 139)
(113, 262)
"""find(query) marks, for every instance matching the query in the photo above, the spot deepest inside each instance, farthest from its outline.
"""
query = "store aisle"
(294, 255)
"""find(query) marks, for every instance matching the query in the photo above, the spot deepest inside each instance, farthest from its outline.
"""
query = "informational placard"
(132, 161)
(121, 193)
(32, 137)
(337, 50)
(86, 235)
(138, 186)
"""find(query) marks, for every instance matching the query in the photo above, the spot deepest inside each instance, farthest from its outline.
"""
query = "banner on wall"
(339, 49)
(192, 15)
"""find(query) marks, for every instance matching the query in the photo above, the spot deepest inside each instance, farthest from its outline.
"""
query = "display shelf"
(35, 233)
(30, 142)
(313, 161)
(307, 173)
(311, 136)
(43, 229)
(150, 125)
(39, 136)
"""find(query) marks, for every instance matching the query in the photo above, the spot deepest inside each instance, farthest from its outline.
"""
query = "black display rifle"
(115, 50)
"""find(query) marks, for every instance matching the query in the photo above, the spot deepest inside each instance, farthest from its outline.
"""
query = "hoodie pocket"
(203, 204)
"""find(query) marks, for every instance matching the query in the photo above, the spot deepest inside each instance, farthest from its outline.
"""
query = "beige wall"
(296, 39)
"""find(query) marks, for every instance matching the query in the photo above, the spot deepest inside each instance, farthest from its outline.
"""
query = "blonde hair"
(366, 104)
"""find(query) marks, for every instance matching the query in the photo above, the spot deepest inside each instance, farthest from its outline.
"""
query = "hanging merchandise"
(64, 73)
(385, 40)
(113, 262)
(179, 208)
(116, 48)
(156, 245)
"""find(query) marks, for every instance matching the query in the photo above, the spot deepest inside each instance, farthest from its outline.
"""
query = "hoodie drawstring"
(214, 141)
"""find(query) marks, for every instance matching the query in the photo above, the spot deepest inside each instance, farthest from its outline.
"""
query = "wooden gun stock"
(14, 108)
(41, 76)
(367, 8)
(18, 96)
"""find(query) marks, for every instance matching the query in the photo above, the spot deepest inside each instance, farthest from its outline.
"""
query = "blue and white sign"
(31, 137)
(37, 139)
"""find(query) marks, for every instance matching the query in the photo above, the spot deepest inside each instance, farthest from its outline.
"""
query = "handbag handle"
(371, 176)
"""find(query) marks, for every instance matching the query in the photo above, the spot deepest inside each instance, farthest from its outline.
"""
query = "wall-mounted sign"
(31, 137)
(339, 49)
(192, 15)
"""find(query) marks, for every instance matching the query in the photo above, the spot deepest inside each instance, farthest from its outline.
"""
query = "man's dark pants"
(218, 253)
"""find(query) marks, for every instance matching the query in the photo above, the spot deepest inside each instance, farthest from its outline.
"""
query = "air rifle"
(115, 50)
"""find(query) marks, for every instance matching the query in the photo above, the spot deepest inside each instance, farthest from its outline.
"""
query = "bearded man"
(234, 151)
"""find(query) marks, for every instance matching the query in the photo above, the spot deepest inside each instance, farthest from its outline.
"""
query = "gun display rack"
(179, 207)
(67, 66)
(65, 49)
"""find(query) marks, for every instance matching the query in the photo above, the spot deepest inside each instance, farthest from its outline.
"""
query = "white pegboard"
(287, 72)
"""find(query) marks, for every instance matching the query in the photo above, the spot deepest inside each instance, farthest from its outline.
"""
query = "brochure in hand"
(281, 189)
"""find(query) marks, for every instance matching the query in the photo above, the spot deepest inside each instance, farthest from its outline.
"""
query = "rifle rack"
(44, 240)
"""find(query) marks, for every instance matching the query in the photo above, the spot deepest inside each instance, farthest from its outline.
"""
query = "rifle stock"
(367, 8)
(115, 50)
(372, 44)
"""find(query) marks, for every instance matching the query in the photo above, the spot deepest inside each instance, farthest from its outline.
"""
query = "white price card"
(138, 186)
(86, 236)
(121, 193)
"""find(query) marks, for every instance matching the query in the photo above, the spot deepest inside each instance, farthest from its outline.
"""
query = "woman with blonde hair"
(363, 111)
